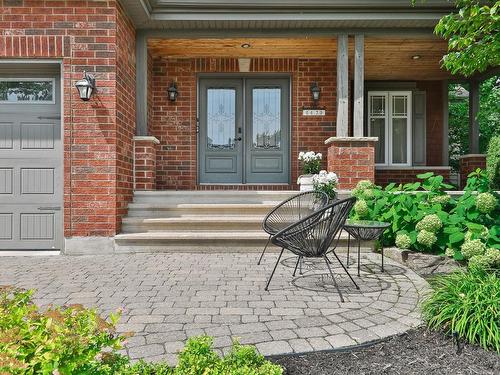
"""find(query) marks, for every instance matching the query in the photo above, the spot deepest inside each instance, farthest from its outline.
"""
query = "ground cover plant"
(425, 218)
(466, 303)
(76, 340)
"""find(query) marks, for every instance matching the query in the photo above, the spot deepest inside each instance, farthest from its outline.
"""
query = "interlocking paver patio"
(165, 298)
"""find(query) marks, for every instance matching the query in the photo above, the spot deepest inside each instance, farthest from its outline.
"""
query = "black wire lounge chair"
(290, 211)
(313, 236)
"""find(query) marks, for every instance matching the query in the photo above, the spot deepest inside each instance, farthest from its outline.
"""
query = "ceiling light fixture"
(245, 45)
(416, 57)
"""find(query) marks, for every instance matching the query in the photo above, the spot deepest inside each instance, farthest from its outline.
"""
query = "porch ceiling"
(385, 58)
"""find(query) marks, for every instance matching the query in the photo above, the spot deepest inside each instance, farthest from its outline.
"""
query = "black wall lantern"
(315, 92)
(86, 86)
(172, 92)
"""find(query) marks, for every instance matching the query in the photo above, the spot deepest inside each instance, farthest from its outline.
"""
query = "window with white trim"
(389, 119)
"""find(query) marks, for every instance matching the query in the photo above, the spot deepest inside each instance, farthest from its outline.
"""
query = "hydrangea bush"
(326, 182)
(311, 161)
(425, 218)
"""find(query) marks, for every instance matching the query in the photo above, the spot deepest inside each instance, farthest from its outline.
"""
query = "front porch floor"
(169, 297)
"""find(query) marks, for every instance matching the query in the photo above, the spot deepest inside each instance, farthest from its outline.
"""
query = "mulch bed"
(415, 352)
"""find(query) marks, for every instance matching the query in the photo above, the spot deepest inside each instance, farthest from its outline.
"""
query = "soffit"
(241, 14)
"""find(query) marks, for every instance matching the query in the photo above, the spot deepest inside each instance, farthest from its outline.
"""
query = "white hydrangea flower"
(449, 252)
(403, 241)
(486, 202)
(426, 238)
(430, 223)
(361, 208)
(472, 247)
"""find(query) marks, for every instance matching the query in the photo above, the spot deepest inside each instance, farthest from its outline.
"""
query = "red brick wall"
(125, 111)
(352, 161)
(97, 148)
(468, 164)
(384, 177)
(174, 124)
(145, 164)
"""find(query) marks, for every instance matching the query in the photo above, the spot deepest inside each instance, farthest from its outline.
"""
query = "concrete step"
(209, 241)
(218, 196)
(213, 196)
(192, 222)
(161, 209)
(218, 221)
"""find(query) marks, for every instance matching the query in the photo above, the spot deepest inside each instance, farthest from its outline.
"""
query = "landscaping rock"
(423, 264)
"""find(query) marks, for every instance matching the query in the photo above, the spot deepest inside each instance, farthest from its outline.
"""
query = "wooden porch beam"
(473, 121)
(141, 77)
(359, 77)
(342, 86)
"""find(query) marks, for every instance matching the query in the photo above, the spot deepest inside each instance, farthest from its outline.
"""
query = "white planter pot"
(306, 182)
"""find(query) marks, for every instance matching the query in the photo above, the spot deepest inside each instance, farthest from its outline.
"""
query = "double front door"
(244, 130)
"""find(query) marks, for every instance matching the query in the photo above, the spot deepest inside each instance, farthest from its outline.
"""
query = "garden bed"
(415, 352)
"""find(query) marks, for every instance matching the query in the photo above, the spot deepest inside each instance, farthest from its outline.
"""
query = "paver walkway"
(168, 297)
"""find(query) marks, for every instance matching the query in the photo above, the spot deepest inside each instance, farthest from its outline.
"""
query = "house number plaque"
(313, 112)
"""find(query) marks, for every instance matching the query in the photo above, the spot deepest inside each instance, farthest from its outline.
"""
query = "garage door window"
(27, 90)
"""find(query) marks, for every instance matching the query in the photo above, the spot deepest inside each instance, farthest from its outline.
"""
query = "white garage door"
(31, 184)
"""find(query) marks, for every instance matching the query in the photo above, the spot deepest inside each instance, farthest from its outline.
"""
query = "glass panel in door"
(221, 118)
(267, 130)
(266, 118)
(220, 131)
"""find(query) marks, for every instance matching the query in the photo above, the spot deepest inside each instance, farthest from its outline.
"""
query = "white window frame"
(388, 117)
(31, 102)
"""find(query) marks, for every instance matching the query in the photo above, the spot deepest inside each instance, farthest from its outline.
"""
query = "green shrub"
(64, 339)
(466, 303)
(425, 218)
(75, 340)
(493, 162)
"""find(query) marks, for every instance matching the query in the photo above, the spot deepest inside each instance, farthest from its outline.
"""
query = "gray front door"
(30, 160)
(244, 130)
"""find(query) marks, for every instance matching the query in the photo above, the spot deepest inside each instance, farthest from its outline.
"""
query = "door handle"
(49, 117)
(238, 139)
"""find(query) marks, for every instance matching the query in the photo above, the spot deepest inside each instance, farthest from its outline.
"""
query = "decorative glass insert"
(399, 105)
(266, 118)
(377, 105)
(27, 90)
(221, 118)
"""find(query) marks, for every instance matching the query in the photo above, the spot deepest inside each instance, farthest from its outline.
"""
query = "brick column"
(145, 162)
(469, 163)
(352, 159)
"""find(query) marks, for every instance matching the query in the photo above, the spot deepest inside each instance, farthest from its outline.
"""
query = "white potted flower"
(327, 183)
(311, 165)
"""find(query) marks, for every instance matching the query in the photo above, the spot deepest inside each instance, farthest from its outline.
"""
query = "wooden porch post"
(359, 77)
(473, 122)
(141, 74)
(342, 86)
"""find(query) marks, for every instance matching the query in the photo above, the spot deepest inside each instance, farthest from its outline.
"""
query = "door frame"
(243, 76)
(58, 65)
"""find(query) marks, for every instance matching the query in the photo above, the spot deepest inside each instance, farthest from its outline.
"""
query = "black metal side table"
(365, 230)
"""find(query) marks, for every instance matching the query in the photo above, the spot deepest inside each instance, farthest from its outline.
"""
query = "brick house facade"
(131, 136)
(96, 36)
